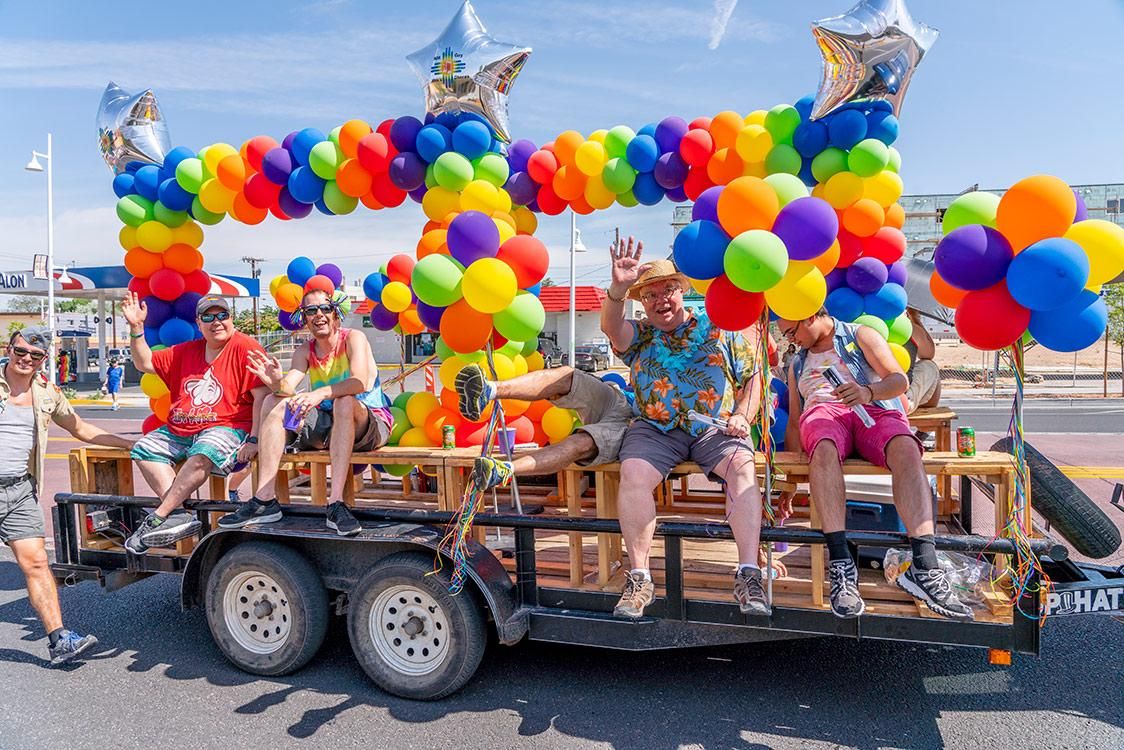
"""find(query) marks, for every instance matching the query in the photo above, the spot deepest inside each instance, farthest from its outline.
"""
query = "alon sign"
(13, 280)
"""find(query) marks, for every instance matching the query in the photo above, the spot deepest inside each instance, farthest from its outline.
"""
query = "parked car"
(122, 355)
(551, 354)
(589, 358)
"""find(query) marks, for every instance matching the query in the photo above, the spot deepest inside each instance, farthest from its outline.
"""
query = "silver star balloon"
(131, 128)
(869, 53)
(466, 70)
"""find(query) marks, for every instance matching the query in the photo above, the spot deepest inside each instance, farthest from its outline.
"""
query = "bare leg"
(556, 457)
(743, 504)
(191, 476)
(348, 418)
(912, 495)
(825, 475)
(31, 556)
(550, 383)
(637, 509)
(271, 446)
(158, 476)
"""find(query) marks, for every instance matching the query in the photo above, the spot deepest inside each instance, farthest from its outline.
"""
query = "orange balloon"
(231, 172)
(141, 263)
(448, 399)
(160, 406)
(864, 217)
(1035, 208)
(351, 132)
(288, 296)
(371, 202)
(513, 408)
(242, 211)
(352, 179)
(410, 323)
(431, 225)
(465, 329)
(537, 409)
(437, 419)
(183, 258)
(566, 145)
(747, 203)
(433, 241)
(568, 182)
(895, 216)
(945, 293)
(581, 206)
(724, 129)
(827, 260)
(725, 166)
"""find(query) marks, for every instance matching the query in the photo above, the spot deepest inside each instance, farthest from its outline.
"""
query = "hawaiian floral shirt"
(697, 366)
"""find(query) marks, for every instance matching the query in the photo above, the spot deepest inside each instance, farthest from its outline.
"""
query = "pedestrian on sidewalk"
(114, 374)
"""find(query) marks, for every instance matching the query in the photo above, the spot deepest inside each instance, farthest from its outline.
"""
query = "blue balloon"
(616, 379)
(810, 138)
(151, 335)
(887, 303)
(472, 139)
(642, 153)
(300, 270)
(846, 128)
(804, 106)
(536, 289)
(778, 428)
(780, 391)
(372, 286)
(646, 190)
(883, 126)
(322, 207)
(805, 173)
(699, 248)
(432, 141)
(649, 129)
(123, 185)
(174, 196)
(184, 306)
(844, 303)
(305, 186)
(147, 182)
(1048, 274)
(447, 120)
(173, 158)
(303, 143)
(1072, 327)
(175, 331)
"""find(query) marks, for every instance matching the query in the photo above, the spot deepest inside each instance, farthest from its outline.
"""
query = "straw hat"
(657, 270)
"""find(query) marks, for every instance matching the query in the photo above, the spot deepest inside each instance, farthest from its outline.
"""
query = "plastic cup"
(505, 440)
(293, 419)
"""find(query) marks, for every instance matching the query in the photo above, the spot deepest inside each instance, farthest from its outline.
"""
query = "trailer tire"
(411, 636)
(1069, 510)
(267, 608)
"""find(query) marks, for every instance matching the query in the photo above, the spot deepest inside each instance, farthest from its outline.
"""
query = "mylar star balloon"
(870, 52)
(131, 128)
(466, 70)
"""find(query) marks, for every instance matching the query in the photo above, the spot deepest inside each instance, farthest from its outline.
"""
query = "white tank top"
(814, 387)
(17, 435)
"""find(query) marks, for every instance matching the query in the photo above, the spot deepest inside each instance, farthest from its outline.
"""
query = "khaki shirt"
(49, 404)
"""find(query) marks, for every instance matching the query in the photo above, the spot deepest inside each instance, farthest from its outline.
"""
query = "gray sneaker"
(638, 593)
(845, 599)
(750, 593)
(70, 646)
(932, 587)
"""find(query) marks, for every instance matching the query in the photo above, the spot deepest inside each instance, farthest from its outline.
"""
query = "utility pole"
(254, 273)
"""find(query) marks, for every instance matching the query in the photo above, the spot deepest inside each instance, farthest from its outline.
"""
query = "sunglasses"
(212, 317)
(310, 310)
(19, 351)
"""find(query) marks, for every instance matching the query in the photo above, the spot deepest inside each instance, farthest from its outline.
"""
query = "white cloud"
(723, 9)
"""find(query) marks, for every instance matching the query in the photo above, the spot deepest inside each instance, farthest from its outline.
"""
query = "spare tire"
(1069, 510)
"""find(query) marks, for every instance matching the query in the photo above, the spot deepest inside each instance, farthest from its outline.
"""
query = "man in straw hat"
(681, 362)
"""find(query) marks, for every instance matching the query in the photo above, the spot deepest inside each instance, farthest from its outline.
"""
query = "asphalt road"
(158, 680)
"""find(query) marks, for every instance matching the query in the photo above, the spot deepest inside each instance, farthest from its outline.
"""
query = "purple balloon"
(332, 271)
(407, 170)
(430, 316)
(677, 194)
(276, 165)
(1082, 209)
(867, 275)
(670, 170)
(807, 226)
(669, 132)
(404, 133)
(518, 153)
(418, 193)
(973, 257)
(291, 206)
(472, 236)
(383, 319)
(184, 306)
(521, 187)
(706, 205)
(898, 274)
(159, 311)
(287, 322)
(836, 278)
(287, 143)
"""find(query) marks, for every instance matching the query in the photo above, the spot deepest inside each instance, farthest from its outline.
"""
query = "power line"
(255, 273)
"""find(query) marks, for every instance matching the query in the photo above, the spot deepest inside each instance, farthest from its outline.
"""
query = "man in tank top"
(343, 411)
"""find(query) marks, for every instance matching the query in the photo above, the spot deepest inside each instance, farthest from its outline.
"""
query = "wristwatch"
(252, 440)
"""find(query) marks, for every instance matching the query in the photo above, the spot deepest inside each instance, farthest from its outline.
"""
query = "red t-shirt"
(208, 394)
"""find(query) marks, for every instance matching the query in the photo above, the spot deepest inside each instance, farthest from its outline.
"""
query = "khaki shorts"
(923, 382)
(20, 517)
(663, 451)
(604, 412)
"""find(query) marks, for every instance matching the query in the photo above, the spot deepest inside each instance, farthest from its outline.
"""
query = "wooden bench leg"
(944, 482)
(817, 557)
(216, 491)
(572, 481)
(281, 486)
(608, 545)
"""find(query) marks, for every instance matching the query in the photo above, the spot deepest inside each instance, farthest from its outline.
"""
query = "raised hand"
(134, 310)
(265, 367)
(626, 265)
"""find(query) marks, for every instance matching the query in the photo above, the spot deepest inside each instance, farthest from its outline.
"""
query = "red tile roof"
(586, 298)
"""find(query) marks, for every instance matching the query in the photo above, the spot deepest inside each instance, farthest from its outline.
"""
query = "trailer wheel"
(1070, 511)
(267, 608)
(411, 636)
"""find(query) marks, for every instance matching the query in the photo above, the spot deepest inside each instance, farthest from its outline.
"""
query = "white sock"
(641, 573)
(751, 566)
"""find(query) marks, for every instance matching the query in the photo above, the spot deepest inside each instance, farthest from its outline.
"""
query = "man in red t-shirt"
(212, 422)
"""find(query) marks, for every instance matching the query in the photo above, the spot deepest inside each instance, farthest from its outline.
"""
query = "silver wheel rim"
(257, 612)
(409, 630)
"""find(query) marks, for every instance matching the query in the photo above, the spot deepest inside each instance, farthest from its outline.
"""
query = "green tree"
(1114, 300)
(25, 304)
(548, 282)
(267, 320)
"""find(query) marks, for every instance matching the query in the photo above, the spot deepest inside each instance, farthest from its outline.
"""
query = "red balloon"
(887, 245)
(386, 192)
(549, 202)
(696, 147)
(990, 319)
(384, 128)
(400, 268)
(139, 287)
(319, 283)
(256, 149)
(698, 123)
(167, 284)
(524, 429)
(697, 182)
(276, 211)
(260, 192)
(373, 153)
(850, 248)
(471, 433)
(731, 308)
(198, 282)
(541, 166)
(527, 256)
(150, 423)
(498, 340)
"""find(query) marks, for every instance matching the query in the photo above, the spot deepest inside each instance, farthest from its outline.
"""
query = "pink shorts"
(836, 422)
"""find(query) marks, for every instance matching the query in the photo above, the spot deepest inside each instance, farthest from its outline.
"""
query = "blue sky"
(1009, 89)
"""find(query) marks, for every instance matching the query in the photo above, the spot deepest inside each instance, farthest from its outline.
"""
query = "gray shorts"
(923, 382)
(315, 434)
(666, 450)
(604, 412)
(20, 517)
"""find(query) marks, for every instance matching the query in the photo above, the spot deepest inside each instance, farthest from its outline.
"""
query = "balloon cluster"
(394, 306)
(302, 276)
(1030, 261)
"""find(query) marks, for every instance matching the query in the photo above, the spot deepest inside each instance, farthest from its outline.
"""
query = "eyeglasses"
(19, 351)
(666, 293)
(790, 333)
(310, 310)
(212, 317)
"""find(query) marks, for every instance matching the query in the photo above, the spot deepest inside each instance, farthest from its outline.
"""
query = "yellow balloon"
(505, 217)
(154, 236)
(188, 233)
(503, 202)
(128, 237)
(522, 367)
(753, 143)
(843, 189)
(506, 232)
(701, 285)
(489, 285)
(419, 406)
(598, 136)
(590, 158)
(755, 169)
(448, 372)
(152, 386)
(557, 423)
(480, 195)
(756, 117)
(597, 195)
(215, 153)
(437, 203)
(216, 197)
(415, 437)
(800, 293)
(505, 368)
(883, 188)
(525, 220)
(396, 296)
(1103, 242)
(901, 355)
(275, 284)
(535, 361)
(817, 191)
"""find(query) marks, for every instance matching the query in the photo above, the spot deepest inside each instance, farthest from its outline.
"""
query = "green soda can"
(448, 437)
(965, 442)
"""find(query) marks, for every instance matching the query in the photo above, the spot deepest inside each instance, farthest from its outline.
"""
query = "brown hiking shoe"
(638, 593)
(750, 593)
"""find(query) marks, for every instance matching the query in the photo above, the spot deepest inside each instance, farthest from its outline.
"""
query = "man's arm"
(926, 349)
(135, 312)
(792, 429)
(877, 352)
(89, 433)
(625, 271)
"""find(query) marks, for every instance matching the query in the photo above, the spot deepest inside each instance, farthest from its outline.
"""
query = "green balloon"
(476, 356)
(901, 329)
(617, 140)
(868, 157)
(530, 346)
(442, 350)
(830, 161)
(618, 175)
(895, 163)
(453, 171)
(334, 136)
(627, 199)
(523, 319)
(876, 323)
(134, 210)
(167, 216)
(336, 201)
(400, 401)
(781, 121)
(782, 158)
(971, 208)
(190, 174)
(324, 159)
(788, 187)
(401, 423)
(755, 260)
(430, 178)
(202, 215)
(491, 168)
(436, 279)
(511, 348)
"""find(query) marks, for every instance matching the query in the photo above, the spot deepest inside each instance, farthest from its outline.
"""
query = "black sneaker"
(845, 599)
(931, 586)
(750, 593)
(252, 512)
(177, 526)
(473, 392)
(70, 646)
(341, 521)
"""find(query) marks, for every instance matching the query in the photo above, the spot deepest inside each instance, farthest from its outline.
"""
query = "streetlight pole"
(573, 295)
(35, 166)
